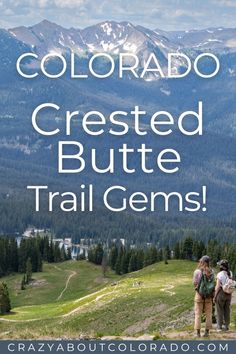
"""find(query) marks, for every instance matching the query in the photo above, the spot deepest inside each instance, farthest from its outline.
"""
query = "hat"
(223, 263)
(205, 259)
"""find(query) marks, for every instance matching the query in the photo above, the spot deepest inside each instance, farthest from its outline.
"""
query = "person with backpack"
(223, 293)
(204, 284)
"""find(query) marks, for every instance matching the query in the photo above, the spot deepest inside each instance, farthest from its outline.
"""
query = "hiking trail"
(73, 273)
(167, 289)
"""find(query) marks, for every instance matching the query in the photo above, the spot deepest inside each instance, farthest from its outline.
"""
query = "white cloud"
(8, 12)
(42, 3)
(171, 14)
(69, 3)
(225, 3)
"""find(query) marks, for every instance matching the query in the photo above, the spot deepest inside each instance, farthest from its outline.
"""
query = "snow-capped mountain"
(46, 36)
(216, 39)
(123, 37)
(114, 37)
(107, 36)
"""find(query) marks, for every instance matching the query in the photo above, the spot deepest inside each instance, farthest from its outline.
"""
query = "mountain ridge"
(106, 30)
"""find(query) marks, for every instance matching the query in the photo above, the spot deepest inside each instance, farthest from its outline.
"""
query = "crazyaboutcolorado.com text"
(121, 347)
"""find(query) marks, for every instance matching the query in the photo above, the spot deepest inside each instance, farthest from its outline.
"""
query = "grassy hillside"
(73, 300)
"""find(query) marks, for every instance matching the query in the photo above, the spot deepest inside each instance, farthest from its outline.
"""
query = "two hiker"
(206, 292)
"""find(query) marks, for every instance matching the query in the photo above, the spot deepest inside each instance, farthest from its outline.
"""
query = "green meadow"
(74, 300)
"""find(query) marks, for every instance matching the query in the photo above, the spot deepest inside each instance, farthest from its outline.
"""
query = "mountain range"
(27, 158)
(114, 37)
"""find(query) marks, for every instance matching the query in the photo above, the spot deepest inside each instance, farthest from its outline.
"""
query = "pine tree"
(177, 251)
(132, 263)
(22, 254)
(125, 261)
(51, 252)
(23, 283)
(91, 255)
(63, 253)
(13, 255)
(153, 254)
(147, 258)
(165, 256)
(40, 263)
(118, 269)
(104, 264)
(198, 249)
(188, 248)
(56, 253)
(140, 259)
(45, 251)
(214, 251)
(98, 254)
(160, 255)
(69, 256)
(28, 271)
(113, 257)
(5, 304)
(167, 252)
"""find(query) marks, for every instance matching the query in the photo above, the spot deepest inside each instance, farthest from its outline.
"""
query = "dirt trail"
(21, 321)
(73, 273)
(184, 335)
(69, 313)
(57, 268)
(214, 335)
(167, 289)
(99, 297)
(143, 337)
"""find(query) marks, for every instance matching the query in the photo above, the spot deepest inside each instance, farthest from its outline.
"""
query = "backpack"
(206, 286)
(229, 286)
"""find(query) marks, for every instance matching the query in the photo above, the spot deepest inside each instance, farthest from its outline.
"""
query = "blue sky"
(163, 14)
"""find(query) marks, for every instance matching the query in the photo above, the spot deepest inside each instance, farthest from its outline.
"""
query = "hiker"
(204, 284)
(223, 293)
